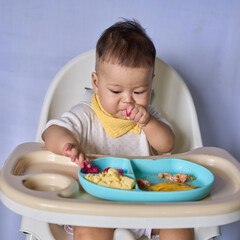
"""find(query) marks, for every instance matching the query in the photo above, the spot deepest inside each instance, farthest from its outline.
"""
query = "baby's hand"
(138, 114)
(76, 154)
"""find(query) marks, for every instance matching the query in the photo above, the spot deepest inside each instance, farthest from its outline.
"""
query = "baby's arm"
(61, 141)
(159, 135)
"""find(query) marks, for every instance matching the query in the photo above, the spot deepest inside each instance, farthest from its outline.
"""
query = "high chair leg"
(120, 234)
(38, 230)
(30, 237)
(35, 230)
(206, 233)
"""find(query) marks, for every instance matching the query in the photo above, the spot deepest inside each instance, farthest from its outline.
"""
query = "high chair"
(73, 84)
(170, 95)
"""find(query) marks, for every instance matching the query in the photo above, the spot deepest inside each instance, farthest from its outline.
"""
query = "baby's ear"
(95, 82)
(153, 76)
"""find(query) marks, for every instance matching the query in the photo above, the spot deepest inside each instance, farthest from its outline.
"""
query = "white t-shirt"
(82, 121)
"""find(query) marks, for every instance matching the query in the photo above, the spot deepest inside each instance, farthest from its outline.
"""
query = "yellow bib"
(115, 127)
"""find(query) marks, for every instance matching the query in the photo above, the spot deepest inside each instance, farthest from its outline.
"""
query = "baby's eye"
(115, 92)
(139, 92)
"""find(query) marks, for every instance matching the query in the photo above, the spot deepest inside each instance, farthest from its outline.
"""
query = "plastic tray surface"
(148, 169)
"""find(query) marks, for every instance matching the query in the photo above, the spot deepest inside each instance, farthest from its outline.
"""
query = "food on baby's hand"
(94, 169)
(180, 178)
(89, 169)
(170, 186)
(111, 178)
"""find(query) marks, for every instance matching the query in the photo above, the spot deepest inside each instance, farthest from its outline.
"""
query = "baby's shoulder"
(82, 108)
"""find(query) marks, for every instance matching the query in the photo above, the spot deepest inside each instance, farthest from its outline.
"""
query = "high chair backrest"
(170, 95)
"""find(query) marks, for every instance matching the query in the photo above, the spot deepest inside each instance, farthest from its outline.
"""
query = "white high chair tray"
(41, 185)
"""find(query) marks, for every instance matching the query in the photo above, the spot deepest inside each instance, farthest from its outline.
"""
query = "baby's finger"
(81, 160)
(87, 162)
(73, 159)
(137, 114)
(144, 120)
(67, 149)
(80, 164)
(73, 154)
(133, 114)
(129, 111)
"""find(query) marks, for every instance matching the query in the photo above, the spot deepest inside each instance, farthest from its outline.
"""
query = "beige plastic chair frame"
(170, 95)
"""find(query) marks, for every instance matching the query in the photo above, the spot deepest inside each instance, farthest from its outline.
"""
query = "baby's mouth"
(126, 113)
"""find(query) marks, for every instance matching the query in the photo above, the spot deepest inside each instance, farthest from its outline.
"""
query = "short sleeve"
(73, 120)
(155, 113)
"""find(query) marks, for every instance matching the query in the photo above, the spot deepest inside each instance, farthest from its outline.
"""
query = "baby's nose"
(128, 99)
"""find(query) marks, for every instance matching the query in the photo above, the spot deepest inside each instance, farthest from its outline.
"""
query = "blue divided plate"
(148, 169)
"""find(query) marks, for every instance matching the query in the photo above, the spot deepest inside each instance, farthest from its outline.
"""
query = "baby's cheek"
(109, 108)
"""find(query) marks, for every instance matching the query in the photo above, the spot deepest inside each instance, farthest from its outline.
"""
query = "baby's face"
(120, 87)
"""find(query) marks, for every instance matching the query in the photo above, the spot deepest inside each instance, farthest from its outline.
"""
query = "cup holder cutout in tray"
(51, 182)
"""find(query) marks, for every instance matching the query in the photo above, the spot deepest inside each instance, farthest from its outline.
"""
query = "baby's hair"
(127, 44)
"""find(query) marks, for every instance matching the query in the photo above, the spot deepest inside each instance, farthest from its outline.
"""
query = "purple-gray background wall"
(199, 39)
